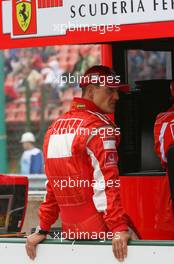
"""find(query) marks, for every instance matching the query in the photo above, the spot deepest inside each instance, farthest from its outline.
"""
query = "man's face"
(105, 98)
(26, 145)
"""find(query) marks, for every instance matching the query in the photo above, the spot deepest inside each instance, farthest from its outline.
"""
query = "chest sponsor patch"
(110, 158)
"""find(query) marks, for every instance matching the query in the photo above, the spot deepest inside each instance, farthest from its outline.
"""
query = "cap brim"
(125, 88)
(121, 87)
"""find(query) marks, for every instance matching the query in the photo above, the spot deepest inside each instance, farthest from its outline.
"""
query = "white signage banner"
(78, 254)
(56, 20)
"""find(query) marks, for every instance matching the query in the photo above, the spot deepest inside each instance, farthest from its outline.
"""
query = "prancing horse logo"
(23, 10)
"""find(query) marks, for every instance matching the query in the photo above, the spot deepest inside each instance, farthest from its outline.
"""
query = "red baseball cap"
(103, 75)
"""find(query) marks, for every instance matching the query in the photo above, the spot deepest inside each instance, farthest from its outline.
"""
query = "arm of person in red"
(104, 158)
(48, 214)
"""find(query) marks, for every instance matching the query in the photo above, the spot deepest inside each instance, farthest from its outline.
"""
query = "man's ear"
(90, 91)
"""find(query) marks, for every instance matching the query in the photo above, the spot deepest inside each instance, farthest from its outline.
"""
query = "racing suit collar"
(82, 104)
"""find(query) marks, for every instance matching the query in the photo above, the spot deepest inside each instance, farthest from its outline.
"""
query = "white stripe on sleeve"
(161, 140)
(99, 197)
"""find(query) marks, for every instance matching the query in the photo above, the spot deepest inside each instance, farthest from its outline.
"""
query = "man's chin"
(110, 111)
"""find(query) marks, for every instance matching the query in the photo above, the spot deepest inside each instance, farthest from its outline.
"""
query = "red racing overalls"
(164, 134)
(80, 152)
(164, 137)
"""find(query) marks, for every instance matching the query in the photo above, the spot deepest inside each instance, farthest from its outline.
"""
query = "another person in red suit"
(164, 146)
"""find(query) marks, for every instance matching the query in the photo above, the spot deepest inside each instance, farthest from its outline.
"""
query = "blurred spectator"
(33, 77)
(32, 158)
(10, 92)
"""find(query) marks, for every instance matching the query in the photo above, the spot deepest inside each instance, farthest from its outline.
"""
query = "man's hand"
(31, 244)
(119, 244)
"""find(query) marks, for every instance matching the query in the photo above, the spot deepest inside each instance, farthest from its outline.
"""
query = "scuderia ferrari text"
(118, 7)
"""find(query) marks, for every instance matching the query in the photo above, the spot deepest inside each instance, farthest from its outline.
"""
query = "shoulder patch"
(111, 158)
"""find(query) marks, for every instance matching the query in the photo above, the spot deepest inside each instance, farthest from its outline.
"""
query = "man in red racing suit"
(164, 131)
(80, 152)
(164, 148)
(164, 134)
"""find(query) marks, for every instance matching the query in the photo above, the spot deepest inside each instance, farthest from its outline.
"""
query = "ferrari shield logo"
(23, 13)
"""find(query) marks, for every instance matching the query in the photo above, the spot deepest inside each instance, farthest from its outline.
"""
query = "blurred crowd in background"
(147, 65)
(36, 94)
(40, 69)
